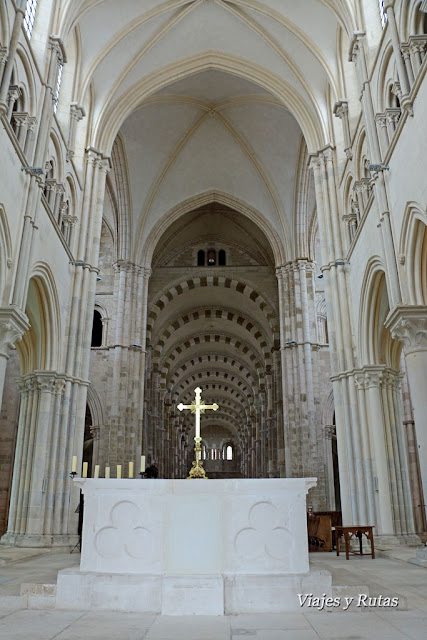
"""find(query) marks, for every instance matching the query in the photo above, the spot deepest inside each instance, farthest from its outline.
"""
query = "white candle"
(96, 471)
(107, 472)
(74, 465)
(84, 474)
(119, 471)
(142, 464)
(130, 469)
(197, 425)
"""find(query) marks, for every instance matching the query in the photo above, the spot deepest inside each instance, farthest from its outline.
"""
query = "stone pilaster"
(408, 324)
(13, 324)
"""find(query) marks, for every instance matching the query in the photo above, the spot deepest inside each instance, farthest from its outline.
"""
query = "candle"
(119, 471)
(96, 471)
(74, 465)
(130, 469)
(142, 464)
(107, 472)
(84, 474)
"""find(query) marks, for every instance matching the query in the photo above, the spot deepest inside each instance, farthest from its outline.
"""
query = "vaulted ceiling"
(207, 103)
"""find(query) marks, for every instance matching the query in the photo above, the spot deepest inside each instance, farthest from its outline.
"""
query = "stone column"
(329, 436)
(21, 120)
(408, 324)
(3, 60)
(401, 70)
(77, 113)
(38, 464)
(340, 110)
(20, 6)
(12, 96)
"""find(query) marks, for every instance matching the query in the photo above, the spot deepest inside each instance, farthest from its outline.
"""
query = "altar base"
(179, 547)
(187, 595)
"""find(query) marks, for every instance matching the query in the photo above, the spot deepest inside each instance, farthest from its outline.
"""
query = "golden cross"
(198, 408)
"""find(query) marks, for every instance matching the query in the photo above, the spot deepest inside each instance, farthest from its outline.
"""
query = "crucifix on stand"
(198, 407)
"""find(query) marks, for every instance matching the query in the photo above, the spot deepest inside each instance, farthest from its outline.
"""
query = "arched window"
(221, 258)
(30, 14)
(96, 330)
(229, 452)
(211, 257)
(201, 258)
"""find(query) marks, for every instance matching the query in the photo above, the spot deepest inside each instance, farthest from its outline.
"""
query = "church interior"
(218, 194)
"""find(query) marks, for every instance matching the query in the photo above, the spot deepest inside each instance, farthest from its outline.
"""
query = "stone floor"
(383, 576)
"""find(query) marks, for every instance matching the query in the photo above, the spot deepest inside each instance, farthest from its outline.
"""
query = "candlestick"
(119, 471)
(130, 469)
(107, 472)
(74, 465)
(84, 473)
(96, 471)
(142, 464)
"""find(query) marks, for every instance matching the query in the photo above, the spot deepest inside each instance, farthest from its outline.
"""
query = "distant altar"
(185, 547)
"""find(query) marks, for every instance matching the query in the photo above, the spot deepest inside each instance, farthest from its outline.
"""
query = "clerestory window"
(383, 14)
(58, 88)
(30, 14)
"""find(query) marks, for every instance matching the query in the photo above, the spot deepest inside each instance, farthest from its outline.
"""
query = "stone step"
(39, 596)
(13, 602)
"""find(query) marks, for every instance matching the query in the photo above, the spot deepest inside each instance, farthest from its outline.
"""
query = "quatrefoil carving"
(125, 535)
(264, 535)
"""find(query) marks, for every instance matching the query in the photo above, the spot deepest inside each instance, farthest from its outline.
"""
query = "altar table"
(209, 547)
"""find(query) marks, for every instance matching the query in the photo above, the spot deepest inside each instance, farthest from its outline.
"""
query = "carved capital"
(13, 324)
(45, 382)
(13, 93)
(370, 376)
(32, 121)
(330, 431)
(60, 386)
(77, 111)
(95, 431)
(56, 44)
(381, 120)
(408, 324)
(340, 109)
(21, 118)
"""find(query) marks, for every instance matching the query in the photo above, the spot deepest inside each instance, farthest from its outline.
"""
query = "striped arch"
(224, 420)
(238, 286)
(212, 338)
(231, 391)
(207, 359)
(207, 374)
(209, 313)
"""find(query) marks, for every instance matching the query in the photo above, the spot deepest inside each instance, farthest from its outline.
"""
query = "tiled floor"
(382, 576)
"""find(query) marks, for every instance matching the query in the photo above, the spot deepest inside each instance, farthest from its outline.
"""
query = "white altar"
(207, 547)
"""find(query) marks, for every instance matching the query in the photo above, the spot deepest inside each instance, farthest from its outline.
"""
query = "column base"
(41, 541)
(396, 539)
(420, 558)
